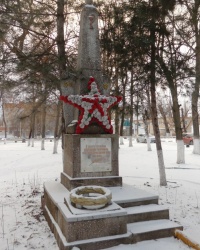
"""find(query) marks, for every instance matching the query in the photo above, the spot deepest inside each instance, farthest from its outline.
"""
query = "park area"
(24, 170)
(61, 56)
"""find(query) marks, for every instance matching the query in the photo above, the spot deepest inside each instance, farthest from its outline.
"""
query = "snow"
(24, 170)
(90, 6)
(193, 234)
(164, 244)
(138, 227)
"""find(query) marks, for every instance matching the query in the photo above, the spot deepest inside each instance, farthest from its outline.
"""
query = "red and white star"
(94, 108)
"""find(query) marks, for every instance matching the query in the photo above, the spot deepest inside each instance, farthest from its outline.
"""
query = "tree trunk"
(65, 84)
(29, 137)
(163, 181)
(121, 139)
(195, 95)
(60, 38)
(131, 128)
(117, 121)
(130, 141)
(146, 130)
(175, 110)
(122, 123)
(183, 121)
(32, 129)
(166, 124)
(43, 126)
(123, 109)
(4, 122)
(131, 112)
(56, 130)
(154, 116)
(55, 145)
(178, 129)
(137, 116)
(116, 108)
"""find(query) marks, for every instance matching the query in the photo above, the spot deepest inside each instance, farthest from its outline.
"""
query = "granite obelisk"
(89, 57)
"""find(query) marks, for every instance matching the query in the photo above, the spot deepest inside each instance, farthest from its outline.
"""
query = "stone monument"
(88, 208)
(89, 57)
(81, 150)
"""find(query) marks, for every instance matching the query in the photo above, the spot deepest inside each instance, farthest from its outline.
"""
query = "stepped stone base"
(109, 226)
(71, 183)
(90, 159)
(82, 224)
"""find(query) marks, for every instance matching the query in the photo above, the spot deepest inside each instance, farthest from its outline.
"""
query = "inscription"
(95, 154)
(91, 18)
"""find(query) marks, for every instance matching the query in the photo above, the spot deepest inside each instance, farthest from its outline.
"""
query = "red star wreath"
(93, 106)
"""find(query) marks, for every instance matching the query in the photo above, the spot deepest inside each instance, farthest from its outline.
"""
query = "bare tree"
(189, 32)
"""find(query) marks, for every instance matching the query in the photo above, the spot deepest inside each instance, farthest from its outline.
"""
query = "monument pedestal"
(82, 224)
(90, 160)
(132, 215)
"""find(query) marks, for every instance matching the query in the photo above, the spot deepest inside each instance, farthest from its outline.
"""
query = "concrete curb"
(183, 237)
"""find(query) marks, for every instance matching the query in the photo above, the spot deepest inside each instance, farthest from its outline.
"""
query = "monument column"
(90, 149)
(89, 58)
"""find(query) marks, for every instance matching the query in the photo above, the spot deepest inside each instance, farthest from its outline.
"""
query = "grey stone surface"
(108, 231)
(72, 156)
(112, 210)
(71, 128)
(67, 88)
(126, 196)
(90, 244)
(85, 226)
(88, 1)
(89, 58)
(94, 128)
(153, 229)
(71, 183)
(147, 214)
(88, 64)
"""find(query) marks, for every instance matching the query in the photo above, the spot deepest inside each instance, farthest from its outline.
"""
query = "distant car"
(143, 139)
(188, 139)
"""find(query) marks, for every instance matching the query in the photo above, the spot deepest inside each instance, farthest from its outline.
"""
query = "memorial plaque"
(95, 154)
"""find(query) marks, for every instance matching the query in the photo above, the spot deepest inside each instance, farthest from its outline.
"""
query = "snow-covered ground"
(24, 170)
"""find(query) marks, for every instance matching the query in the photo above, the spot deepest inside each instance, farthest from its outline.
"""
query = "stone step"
(147, 212)
(88, 244)
(99, 243)
(87, 229)
(128, 196)
(154, 229)
(140, 231)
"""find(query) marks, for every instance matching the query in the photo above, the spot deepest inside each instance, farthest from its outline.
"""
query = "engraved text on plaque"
(95, 154)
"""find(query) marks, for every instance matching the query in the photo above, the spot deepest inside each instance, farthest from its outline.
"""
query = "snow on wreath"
(93, 106)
